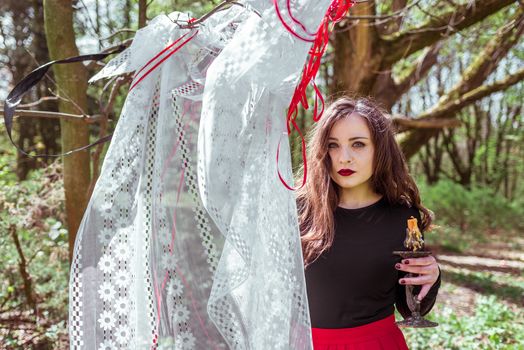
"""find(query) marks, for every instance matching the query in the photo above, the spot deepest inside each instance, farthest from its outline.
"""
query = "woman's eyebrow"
(350, 139)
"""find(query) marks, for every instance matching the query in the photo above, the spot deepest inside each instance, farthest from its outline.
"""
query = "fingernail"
(406, 262)
(402, 282)
(397, 266)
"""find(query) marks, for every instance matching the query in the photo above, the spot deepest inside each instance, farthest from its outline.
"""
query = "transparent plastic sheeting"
(190, 241)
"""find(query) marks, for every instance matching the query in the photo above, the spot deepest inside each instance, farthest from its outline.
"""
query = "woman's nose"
(345, 155)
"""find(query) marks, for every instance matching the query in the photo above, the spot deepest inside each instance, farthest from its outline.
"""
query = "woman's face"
(350, 148)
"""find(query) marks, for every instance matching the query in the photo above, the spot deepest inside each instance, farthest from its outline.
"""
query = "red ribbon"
(336, 11)
(163, 59)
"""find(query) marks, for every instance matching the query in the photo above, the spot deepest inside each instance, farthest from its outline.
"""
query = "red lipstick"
(345, 172)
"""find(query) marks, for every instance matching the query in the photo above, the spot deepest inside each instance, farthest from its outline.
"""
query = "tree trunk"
(72, 85)
(48, 129)
(127, 14)
(142, 13)
(357, 59)
(366, 48)
(20, 63)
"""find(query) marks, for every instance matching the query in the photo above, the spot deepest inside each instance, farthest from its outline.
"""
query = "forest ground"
(481, 300)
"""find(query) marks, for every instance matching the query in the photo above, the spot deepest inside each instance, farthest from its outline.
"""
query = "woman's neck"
(358, 197)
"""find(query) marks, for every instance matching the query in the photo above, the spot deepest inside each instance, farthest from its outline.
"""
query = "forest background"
(449, 72)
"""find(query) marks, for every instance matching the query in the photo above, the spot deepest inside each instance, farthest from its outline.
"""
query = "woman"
(353, 214)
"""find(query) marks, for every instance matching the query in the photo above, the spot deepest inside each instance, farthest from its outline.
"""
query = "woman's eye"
(359, 144)
(332, 145)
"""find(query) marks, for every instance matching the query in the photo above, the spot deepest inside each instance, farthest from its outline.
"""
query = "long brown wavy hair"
(319, 197)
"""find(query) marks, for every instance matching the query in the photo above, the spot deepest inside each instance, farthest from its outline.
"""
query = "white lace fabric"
(190, 241)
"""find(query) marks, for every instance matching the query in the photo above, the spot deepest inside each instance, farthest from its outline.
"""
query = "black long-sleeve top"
(355, 282)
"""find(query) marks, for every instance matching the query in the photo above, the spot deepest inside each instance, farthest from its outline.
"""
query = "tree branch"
(487, 60)
(398, 13)
(420, 68)
(403, 44)
(53, 115)
(388, 92)
(469, 88)
(473, 95)
(412, 143)
(112, 35)
(403, 123)
(23, 268)
(36, 103)
(222, 6)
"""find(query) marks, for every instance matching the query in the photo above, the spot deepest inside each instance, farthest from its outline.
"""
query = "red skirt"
(383, 334)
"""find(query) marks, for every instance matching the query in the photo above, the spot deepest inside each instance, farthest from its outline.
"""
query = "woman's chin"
(348, 183)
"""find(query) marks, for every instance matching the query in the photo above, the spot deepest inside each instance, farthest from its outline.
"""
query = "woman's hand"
(426, 267)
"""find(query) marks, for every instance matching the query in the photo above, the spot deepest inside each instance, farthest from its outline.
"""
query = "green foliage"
(7, 175)
(32, 210)
(465, 216)
(493, 326)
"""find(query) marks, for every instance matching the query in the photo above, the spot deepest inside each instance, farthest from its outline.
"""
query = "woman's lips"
(345, 172)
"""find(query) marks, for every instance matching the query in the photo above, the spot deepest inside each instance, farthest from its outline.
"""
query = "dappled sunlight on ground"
(481, 299)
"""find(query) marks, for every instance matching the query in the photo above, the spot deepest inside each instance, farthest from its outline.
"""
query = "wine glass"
(415, 320)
